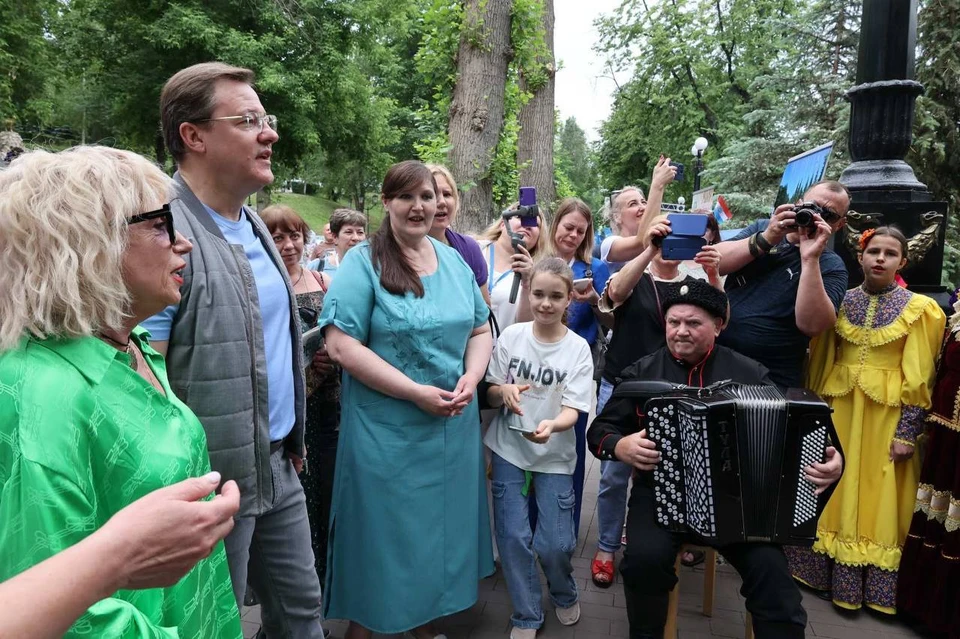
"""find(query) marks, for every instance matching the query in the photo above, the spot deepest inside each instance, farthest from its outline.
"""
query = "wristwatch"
(762, 242)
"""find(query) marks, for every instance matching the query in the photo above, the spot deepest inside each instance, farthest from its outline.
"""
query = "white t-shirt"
(499, 286)
(605, 247)
(559, 374)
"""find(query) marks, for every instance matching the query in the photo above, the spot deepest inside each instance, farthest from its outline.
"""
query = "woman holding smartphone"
(571, 239)
(504, 261)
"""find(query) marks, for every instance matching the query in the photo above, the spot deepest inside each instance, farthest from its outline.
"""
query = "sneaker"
(523, 633)
(569, 616)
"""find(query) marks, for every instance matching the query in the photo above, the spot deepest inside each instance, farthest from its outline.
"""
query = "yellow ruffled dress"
(876, 369)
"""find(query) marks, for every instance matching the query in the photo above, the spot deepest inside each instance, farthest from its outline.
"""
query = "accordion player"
(733, 459)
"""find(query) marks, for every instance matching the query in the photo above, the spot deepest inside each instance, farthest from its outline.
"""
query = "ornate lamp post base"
(888, 176)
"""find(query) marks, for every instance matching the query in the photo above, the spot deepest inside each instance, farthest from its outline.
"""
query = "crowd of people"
(167, 442)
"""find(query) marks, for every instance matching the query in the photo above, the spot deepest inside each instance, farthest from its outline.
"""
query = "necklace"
(657, 273)
(299, 278)
(127, 348)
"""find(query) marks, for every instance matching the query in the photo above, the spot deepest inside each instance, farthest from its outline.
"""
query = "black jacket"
(619, 417)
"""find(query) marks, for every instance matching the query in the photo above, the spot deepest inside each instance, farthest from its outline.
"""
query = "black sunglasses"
(830, 216)
(163, 212)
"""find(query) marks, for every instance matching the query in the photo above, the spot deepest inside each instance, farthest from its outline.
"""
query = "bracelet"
(762, 242)
(752, 245)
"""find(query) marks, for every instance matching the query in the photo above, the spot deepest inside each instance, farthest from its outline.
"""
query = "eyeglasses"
(249, 121)
(163, 212)
(830, 216)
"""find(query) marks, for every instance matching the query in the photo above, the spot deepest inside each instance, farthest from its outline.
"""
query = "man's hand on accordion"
(638, 451)
(822, 475)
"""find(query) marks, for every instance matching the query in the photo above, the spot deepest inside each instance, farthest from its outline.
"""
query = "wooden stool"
(709, 584)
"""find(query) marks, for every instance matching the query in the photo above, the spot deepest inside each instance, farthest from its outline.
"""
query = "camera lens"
(804, 218)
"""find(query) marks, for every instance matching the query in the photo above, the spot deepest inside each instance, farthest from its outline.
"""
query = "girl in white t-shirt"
(542, 374)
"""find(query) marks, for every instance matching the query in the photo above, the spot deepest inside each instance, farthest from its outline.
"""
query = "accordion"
(732, 460)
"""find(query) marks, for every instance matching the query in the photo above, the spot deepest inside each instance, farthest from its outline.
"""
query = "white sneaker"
(569, 616)
(523, 633)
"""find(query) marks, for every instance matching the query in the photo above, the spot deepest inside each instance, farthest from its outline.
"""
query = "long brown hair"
(397, 275)
(569, 205)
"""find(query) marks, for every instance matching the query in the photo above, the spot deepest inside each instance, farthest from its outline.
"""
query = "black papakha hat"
(698, 293)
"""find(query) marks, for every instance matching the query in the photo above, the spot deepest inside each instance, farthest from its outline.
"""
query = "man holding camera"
(784, 286)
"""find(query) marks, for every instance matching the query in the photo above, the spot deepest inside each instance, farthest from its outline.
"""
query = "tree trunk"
(537, 124)
(476, 112)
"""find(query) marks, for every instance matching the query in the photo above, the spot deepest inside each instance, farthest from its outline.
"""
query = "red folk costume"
(929, 583)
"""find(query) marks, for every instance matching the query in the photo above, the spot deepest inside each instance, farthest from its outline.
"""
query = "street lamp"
(699, 146)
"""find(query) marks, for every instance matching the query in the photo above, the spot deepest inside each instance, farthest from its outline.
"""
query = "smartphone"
(691, 224)
(528, 195)
(679, 248)
(679, 176)
(686, 236)
(528, 210)
(519, 423)
(583, 284)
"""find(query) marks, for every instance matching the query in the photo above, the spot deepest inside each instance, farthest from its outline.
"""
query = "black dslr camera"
(805, 212)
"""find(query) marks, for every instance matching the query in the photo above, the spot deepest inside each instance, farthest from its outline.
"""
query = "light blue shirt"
(275, 312)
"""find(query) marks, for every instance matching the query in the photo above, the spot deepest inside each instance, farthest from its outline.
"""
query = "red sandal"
(602, 573)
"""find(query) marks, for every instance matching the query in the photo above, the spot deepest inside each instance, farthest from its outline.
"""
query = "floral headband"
(865, 238)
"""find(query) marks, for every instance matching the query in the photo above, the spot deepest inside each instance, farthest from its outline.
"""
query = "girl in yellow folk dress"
(876, 368)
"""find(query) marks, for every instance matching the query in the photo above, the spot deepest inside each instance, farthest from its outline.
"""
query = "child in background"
(542, 374)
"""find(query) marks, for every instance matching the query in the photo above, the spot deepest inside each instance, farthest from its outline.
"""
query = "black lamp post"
(699, 146)
(884, 188)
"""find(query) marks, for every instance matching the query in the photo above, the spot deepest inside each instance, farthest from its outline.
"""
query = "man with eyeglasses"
(784, 285)
(233, 344)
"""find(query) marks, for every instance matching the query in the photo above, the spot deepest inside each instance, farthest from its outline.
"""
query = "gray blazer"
(216, 360)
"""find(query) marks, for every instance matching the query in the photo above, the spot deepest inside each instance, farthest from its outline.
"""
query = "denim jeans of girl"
(553, 541)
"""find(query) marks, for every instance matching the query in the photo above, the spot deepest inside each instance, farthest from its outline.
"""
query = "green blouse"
(81, 436)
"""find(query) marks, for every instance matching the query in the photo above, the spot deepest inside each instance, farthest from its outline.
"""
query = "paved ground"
(603, 614)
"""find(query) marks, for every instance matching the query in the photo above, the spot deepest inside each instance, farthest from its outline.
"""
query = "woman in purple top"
(448, 203)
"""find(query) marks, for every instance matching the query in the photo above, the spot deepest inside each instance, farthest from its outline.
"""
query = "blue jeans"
(553, 541)
(273, 552)
(612, 497)
(579, 476)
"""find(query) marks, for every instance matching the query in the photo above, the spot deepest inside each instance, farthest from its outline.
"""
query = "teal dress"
(409, 532)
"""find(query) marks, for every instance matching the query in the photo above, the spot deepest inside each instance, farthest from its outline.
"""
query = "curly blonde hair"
(63, 232)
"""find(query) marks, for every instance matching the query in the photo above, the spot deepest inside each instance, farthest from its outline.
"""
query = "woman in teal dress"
(88, 422)
(409, 534)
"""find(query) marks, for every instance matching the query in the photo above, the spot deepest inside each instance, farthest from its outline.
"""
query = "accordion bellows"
(732, 461)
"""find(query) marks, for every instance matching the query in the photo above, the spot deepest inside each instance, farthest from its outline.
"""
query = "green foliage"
(532, 58)
(935, 153)
(25, 58)
(761, 80)
(504, 169)
(576, 169)
(435, 63)
(339, 74)
(314, 210)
